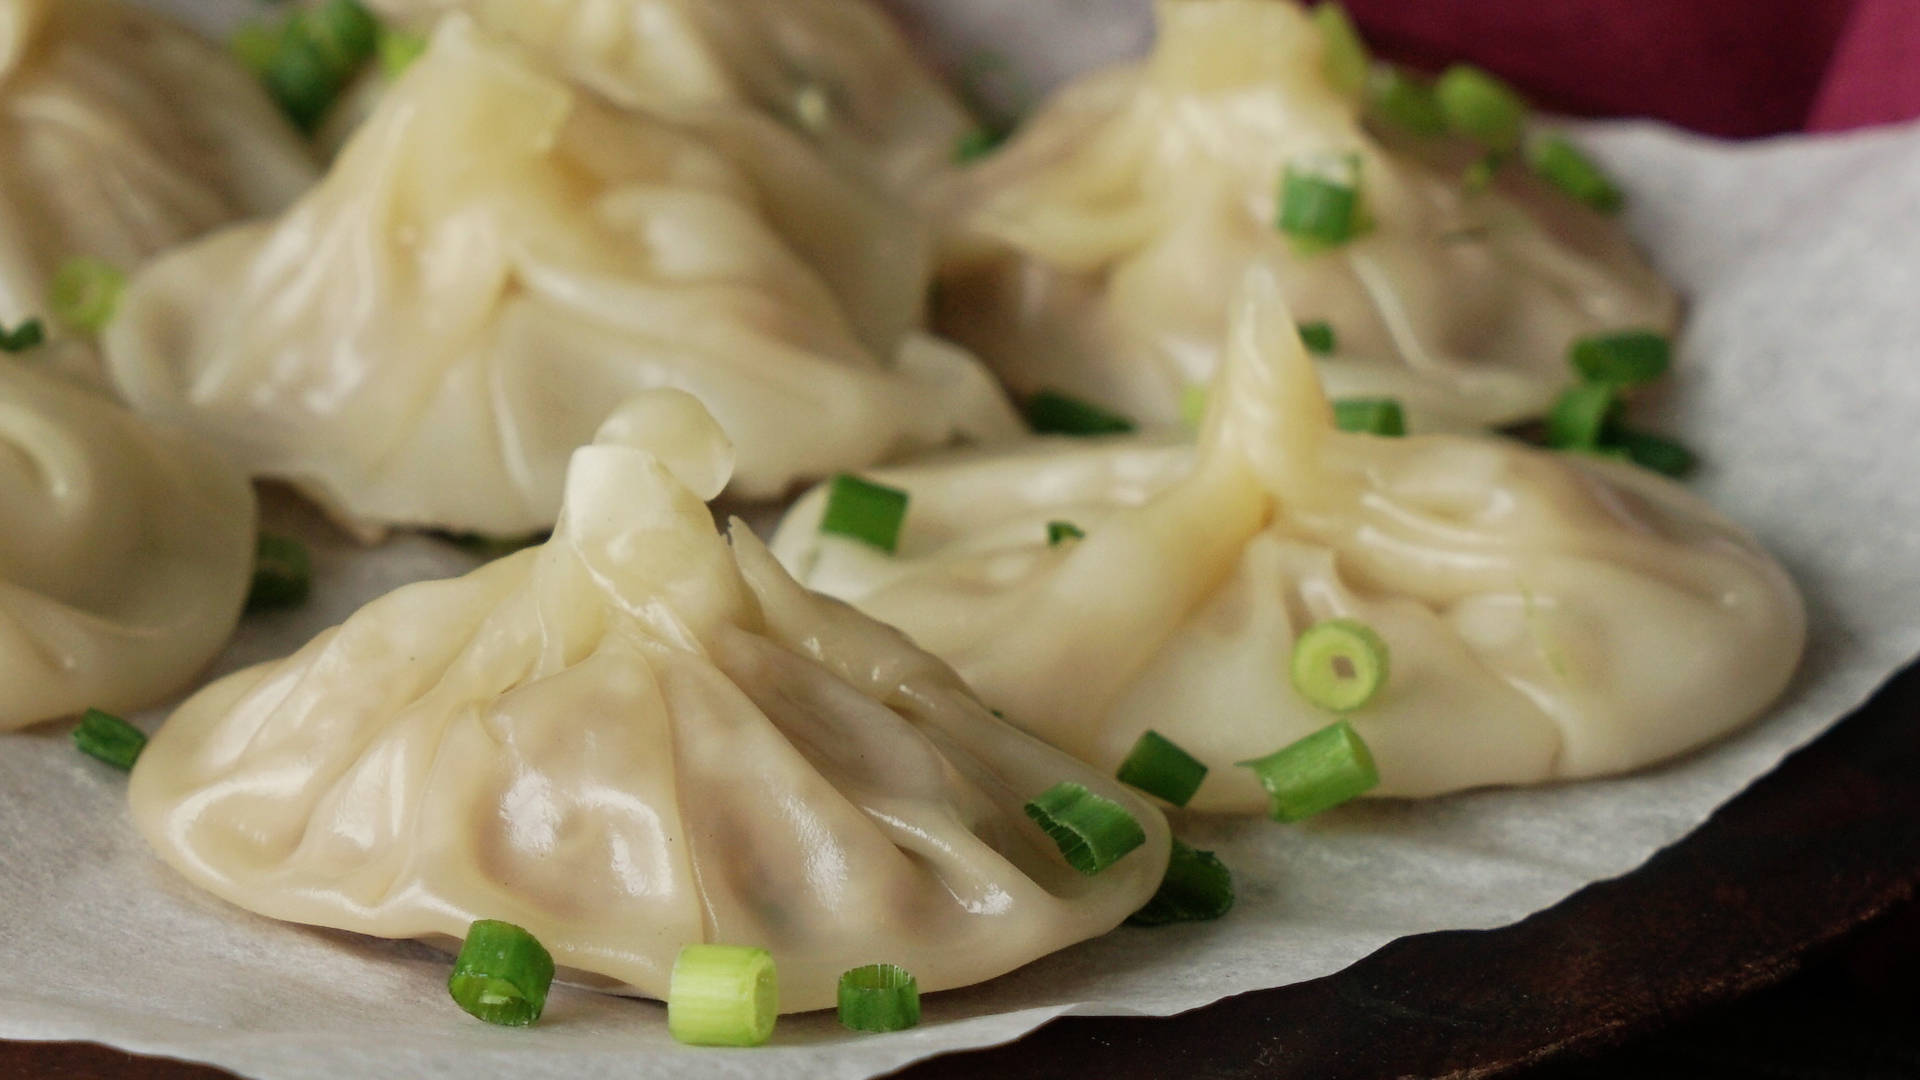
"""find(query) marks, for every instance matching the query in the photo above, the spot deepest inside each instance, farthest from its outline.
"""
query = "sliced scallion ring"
(722, 995)
(1318, 773)
(1370, 416)
(1579, 420)
(1092, 832)
(23, 337)
(1318, 337)
(1481, 106)
(1339, 664)
(502, 974)
(1050, 412)
(1622, 357)
(282, 573)
(1159, 767)
(1059, 532)
(1405, 101)
(85, 292)
(1320, 201)
(865, 511)
(1343, 53)
(879, 997)
(1196, 888)
(109, 738)
(1559, 162)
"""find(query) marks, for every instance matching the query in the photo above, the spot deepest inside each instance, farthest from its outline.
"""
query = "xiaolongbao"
(497, 261)
(1546, 616)
(125, 553)
(1096, 254)
(836, 71)
(634, 738)
(122, 134)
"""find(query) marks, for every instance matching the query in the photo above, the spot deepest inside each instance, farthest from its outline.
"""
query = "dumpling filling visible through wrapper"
(1096, 253)
(1547, 616)
(496, 261)
(634, 738)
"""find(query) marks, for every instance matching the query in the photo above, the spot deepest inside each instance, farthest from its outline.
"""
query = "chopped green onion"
(1092, 832)
(1580, 418)
(1371, 416)
(502, 974)
(1557, 161)
(722, 995)
(868, 512)
(109, 738)
(1317, 773)
(1196, 888)
(1158, 767)
(493, 547)
(1318, 337)
(1479, 176)
(1320, 201)
(1050, 412)
(398, 49)
(1059, 532)
(1344, 55)
(1193, 404)
(22, 337)
(976, 144)
(1481, 107)
(282, 574)
(299, 80)
(879, 997)
(1339, 664)
(343, 32)
(1405, 101)
(1653, 452)
(1624, 358)
(85, 292)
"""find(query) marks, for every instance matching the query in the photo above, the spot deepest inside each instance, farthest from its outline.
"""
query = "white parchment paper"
(1799, 384)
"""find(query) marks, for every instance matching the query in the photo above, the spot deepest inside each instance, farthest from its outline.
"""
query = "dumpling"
(122, 134)
(1546, 616)
(630, 739)
(496, 262)
(836, 71)
(125, 553)
(1096, 254)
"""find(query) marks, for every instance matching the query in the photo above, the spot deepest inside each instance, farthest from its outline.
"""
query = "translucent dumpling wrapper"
(122, 134)
(837, 72)
(1546, 616)
(630, 739)
(125, 552)
(1097, 252)
(496, 261)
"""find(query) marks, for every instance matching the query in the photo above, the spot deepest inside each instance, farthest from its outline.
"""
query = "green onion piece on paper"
(1159, 767)
(1092, 832)
(1555, 159)
(1059, 532)
(1050, 412)
(109, 738)
(1370, 416)
(85, 293)
(1579, 420)
(23, 337)
(1622, 358)
(1481, 107)
(722, 995)
(502, 974)
(282, 573)
(879, 997)
(1343, 53)
(398, 49)
(1320, 201)
(976, 144)
(1405, 101)
(865, 511)
(1654, 452)
(1339, 664)
(1196, 888)
(1318, 337)
(1318, 773)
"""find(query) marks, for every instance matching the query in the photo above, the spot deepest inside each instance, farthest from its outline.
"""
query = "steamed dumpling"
(836, 71)
(1547, 616)
(1096, 254)
(125, 553)
(630, 739)
(122, 134)
(496, 262)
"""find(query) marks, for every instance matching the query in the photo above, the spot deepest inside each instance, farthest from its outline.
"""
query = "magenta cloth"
(1724, 67)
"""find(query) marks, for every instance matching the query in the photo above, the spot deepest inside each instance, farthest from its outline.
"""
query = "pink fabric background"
(1724, 67)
